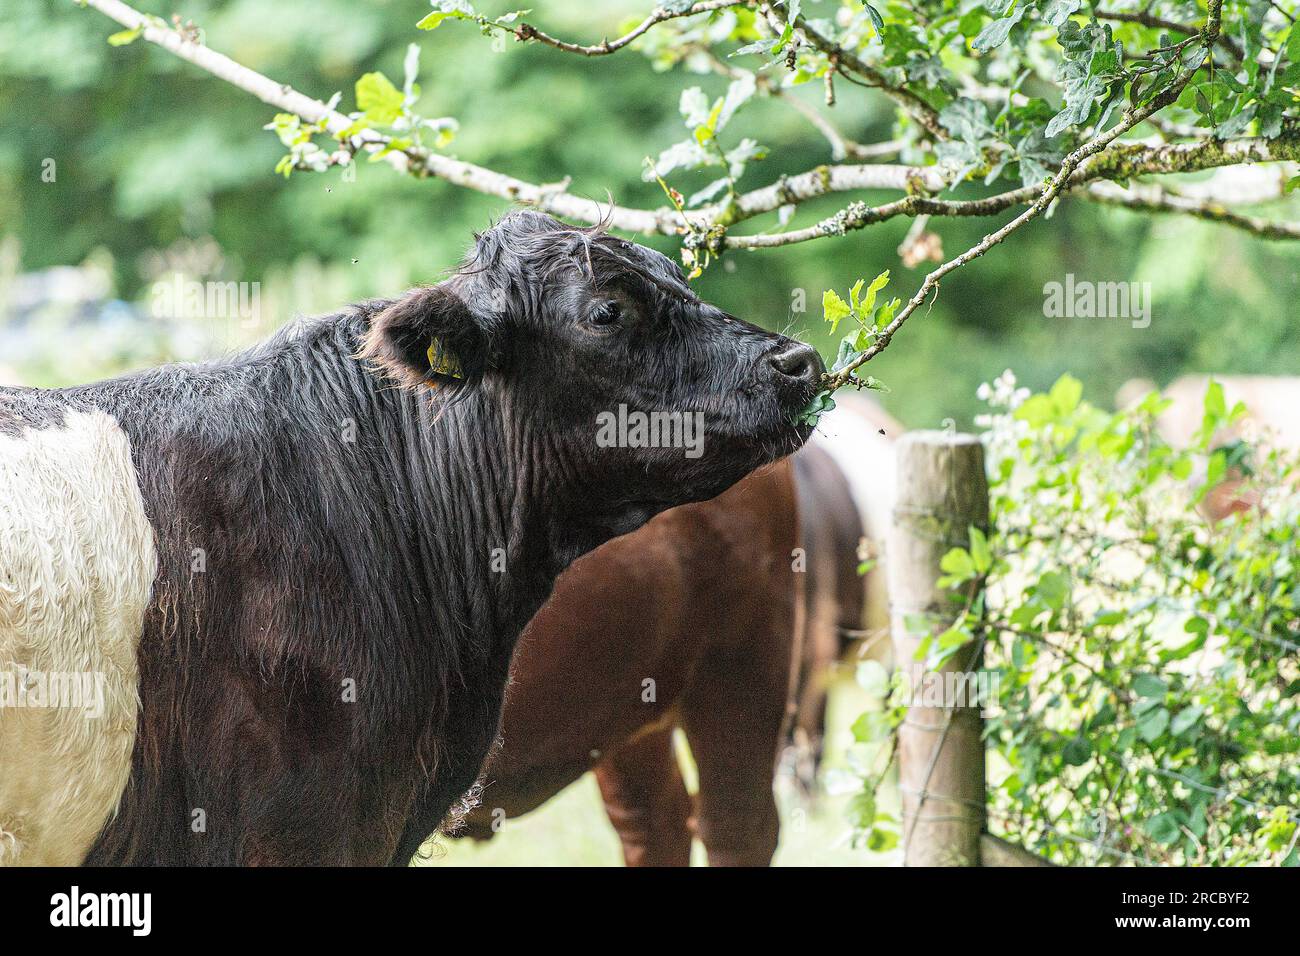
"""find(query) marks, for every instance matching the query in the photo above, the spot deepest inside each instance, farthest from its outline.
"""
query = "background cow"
(689, 623)
(845, 479)
(311, 570)
(1270, 421)
(723, 619)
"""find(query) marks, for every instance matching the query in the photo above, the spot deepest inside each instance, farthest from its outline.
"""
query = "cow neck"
(483, 508)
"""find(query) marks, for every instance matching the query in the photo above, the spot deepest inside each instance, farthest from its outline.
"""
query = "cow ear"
(427, 337)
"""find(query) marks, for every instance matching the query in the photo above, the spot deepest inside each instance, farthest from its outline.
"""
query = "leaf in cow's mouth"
(821, 403)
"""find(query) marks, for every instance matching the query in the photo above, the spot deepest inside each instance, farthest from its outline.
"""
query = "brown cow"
(1270, 422)
(688, 623)
(697, 621)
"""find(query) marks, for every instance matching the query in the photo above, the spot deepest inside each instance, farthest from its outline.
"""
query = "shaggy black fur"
(323, 522)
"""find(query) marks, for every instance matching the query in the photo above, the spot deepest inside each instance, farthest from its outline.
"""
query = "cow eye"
(606, 314)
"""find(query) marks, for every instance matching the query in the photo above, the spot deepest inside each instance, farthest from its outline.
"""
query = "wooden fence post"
(942, 491)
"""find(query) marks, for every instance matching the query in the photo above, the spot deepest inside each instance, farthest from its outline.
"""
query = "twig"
(1142, 18)
(846, 59)
(859, 215)
(1274, 5)
(525, 32)
(841, 146)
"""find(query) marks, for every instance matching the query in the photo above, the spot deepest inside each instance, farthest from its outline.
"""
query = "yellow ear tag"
(443, 362)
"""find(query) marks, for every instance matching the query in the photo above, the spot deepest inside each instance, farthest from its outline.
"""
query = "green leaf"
(1148, 685)
(873, 678)
(958, 563)
(1215, 469)
(431, 21)
(1077, 752)
(1102, 718)
(869, 301)
(881, 840)
(708, 129)
(1056, 12)
(849, 351)
(871, 726)
(1054, 589)
(996, 33)
(1153, 723)
(1036, 411)
(379, 99)
(862, 810)
(1186, 719)
(443, 9)
(876, 20)
(1163, 828)
(123, 37)
(1215, 404)
(1103, 62)
(758, 46)
(821, 404)
(1065, 394)
(738, 93)
(786, 35)
(980, 554)
(970, 23)
(834, 308)
(952, 639)
(855, 294)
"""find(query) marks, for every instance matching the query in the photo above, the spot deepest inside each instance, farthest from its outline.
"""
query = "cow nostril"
(798, 361)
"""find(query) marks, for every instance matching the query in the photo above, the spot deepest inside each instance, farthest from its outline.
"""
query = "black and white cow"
(297, 575)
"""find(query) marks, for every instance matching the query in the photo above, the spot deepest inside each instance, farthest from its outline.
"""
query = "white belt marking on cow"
(77, 564)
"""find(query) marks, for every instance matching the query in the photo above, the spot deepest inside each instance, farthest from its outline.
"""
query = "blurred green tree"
(153, 156)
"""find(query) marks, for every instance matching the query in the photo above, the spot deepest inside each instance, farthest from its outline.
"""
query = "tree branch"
(860, 215)
(1120, 161)
(526, 31)
(1059, 182)
(841, 146)
(664, 220)
(1155, 199)
(821, 180)
(1128, 159)
(1142, 18)
(914, 105)
(282, 96)
(708, 224)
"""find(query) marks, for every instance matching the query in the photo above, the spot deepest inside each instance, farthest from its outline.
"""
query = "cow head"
(610, 373)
